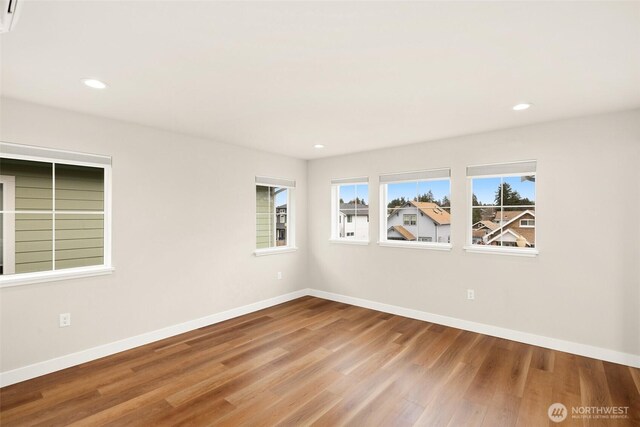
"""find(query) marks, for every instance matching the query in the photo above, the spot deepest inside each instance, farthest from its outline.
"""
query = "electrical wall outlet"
(471, 294)
(279, 275)
(65, 320)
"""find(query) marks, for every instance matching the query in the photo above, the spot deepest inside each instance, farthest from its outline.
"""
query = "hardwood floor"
(312, 361)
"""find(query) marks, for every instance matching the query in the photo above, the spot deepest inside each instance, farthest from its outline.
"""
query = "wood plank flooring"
(317, 362)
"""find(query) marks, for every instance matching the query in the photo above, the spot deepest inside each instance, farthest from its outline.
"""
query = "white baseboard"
(495, 331)
(48, 366)
(63, 362)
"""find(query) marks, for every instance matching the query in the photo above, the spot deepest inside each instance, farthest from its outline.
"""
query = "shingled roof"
(350, 209)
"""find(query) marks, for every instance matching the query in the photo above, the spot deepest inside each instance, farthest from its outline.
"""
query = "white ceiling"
(283, 76)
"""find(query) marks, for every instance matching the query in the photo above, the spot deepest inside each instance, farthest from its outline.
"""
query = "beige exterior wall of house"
(265, 210)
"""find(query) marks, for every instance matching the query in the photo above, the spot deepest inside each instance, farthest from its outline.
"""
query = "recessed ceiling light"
(94, 84)
(520, 107)
(318, 146)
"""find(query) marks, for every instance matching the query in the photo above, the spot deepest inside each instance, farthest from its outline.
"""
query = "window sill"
(274, 251)
(52, 276)
(349, 242)
(417, 245)
(479, 249)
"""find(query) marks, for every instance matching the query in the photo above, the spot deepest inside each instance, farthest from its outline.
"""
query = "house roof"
(350, 209)
(430, 209)
(478, 233)
(505, 226)
(404, 232)
(282, 206)
(509, 215)
(433, 211)
(487, 224)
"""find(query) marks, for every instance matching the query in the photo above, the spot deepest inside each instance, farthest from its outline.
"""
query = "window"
(503, 207)
(350, 210)
(410, 219)
(274, 215)
(416, 209)
(54, 214)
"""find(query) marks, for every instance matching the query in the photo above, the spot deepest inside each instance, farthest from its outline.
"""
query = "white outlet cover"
(65, 320)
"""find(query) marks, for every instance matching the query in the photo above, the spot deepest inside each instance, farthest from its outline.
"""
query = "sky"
(281, 197)
(485, 188)
(348, 192)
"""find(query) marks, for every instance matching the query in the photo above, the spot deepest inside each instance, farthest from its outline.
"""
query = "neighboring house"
(502, 216)
(481, 228)
(516, 230)
(421, 221)
(281, 225)
(353, 221)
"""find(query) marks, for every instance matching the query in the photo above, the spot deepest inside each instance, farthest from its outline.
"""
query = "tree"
(358, 201)
(341, 200)
(397, 202)
(476, 215)
(426, 197)
(507, 196)
(445, 202)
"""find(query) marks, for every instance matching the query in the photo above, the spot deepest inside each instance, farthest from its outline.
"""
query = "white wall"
(178, 256)
(578, 289)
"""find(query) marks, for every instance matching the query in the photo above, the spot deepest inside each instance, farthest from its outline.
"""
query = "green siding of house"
(265, 210)
(79, 237)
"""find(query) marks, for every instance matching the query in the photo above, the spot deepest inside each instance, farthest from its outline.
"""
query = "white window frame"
(8, 224)
(527, 225)
(335, 211)
(500, 250)
(439, 174)
(62, 157)
(290, 185)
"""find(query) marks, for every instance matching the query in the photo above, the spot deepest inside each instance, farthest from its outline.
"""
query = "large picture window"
(274, 214)
(54, 213)
(416, 209)
(350, 210)
(503, 206)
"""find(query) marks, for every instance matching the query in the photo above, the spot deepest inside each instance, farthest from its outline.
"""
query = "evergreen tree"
(358, 201)
(476, 215)
(397, 202)
(506, 195)
(426, 197)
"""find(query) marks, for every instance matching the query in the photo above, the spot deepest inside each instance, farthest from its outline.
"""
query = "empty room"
(296, 213)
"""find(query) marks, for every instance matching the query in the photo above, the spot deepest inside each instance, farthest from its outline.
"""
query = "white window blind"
(275, 182)
(416, 176)
(524, 168)
(340, 181)
(15, 150)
